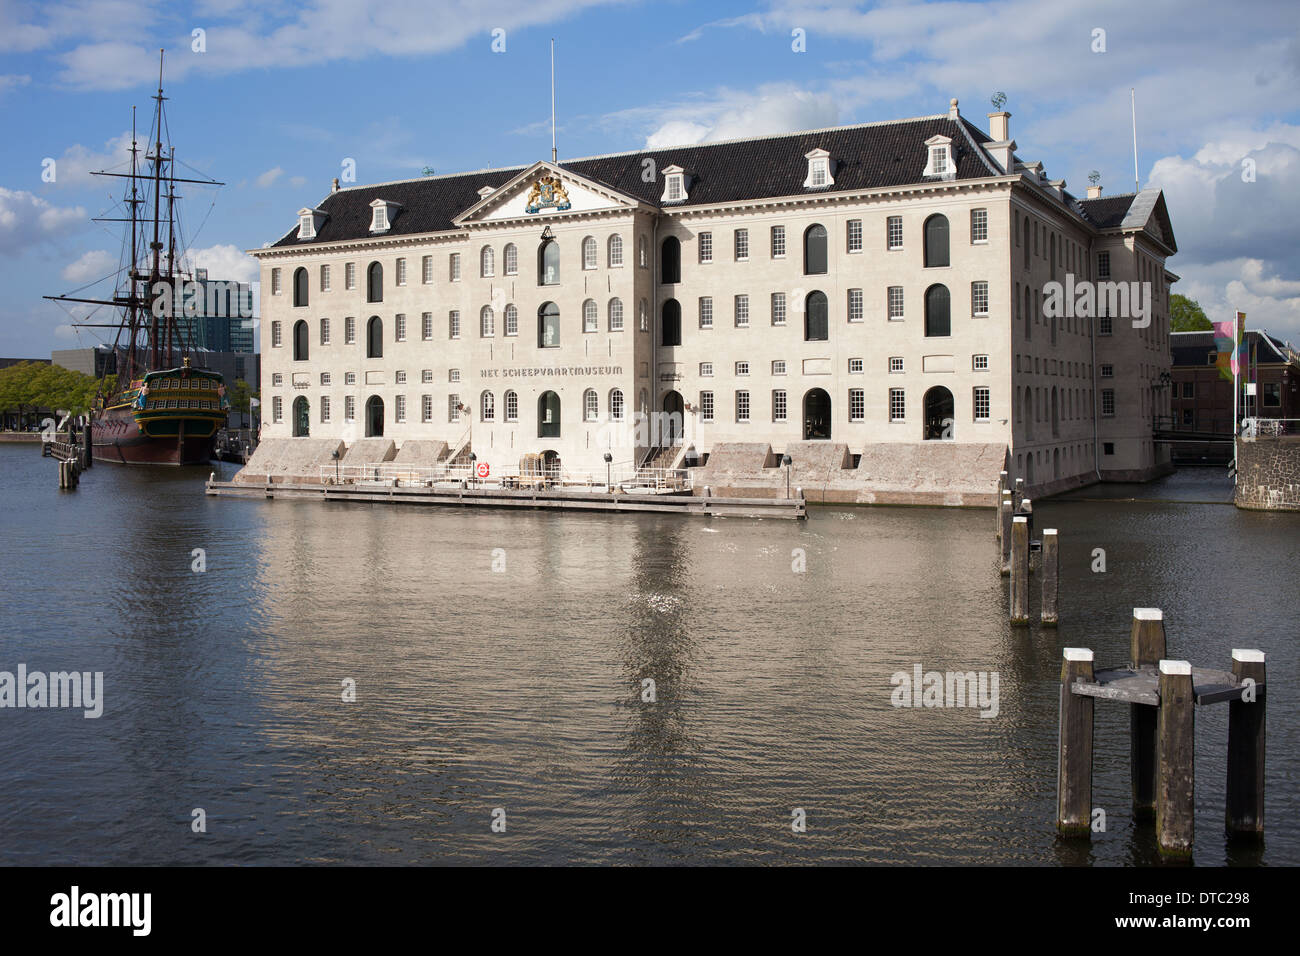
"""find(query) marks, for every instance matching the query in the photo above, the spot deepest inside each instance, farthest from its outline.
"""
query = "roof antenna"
(553, 153)
(1132, 98)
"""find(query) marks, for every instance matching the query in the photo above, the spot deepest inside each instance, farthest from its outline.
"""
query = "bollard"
(88, 447)
(1176, 786)
(1146, 649)
(1018, 495)
(1074, 752)
(1008, 512)
(1019, 571)
(997, 503)
(1049, 565)
(1244, 811)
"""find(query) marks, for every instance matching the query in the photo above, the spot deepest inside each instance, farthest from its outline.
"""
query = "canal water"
(500, 664)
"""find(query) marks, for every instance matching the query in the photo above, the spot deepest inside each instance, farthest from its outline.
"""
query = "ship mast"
(155, 246)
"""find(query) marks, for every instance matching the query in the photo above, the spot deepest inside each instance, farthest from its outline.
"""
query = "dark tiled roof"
(1189, 348)
(1108, 211)
(867, 157)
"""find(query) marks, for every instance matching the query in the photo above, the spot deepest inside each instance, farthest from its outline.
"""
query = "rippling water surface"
(522, 689)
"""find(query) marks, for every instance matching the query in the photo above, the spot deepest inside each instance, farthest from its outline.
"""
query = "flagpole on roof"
(553, 153)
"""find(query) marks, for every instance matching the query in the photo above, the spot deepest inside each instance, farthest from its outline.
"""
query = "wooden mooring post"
(1006, 514)
(1147, 647)
(997, 502)
(1019, 593)
(1169, 691)
(1049, 570)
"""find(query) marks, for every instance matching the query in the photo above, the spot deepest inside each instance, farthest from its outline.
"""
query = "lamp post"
(787, 461)
(608, 481)
(335, 455)
(472, 458)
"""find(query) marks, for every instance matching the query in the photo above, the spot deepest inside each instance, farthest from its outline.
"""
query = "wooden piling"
(1019, 571)
(1146, 649)
(1176, 777)
(1002, 488)
(1074, 751)
(1008, 513)
(87, 447)
(1244, 811)
(1018, 494)
(1049, 567)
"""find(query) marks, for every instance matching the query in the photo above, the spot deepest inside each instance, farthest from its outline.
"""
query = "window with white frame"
(857, 404)
(1108, 401)
(399, 378)
(616, 314)
(778, 242)
(779, 405)
(487, 407)
(895, 302)
(453, 267)
(400, 324)
(982, 403)
(742, 368)
(512, 406)
(857, 366)
(487, 262)
(706, 369)
(453, 375)
(853, 237)
(512, 319)
(277, 339)
(615, 252)
(940, 160)
(487, 322)
(778, 366)
(426, 376)
(426, 270)
(706, 406)
(453, 324)
(979, 298)
(453, 408)
(643, 319)
(706, 246)
(426, 326)
(511, 257)
(742, 406)
(379, 216)
(325, 378)
(324, 331)
(895, 364)
(426, 408)
(399, 414)
(277, 409)
(349, 408)
(349, 378)
(590, 405)
(979, 225)
(855, 305)
(277, 379)
(894, 232)
(897, 405)
(1108, 371)
(349, 275)
(590, 316)
(742, 311)
(741, 245)
(979, 363)
(616, 404)
(401, 272)
(324, 408)
(276, 286)
(589, 253)
(819, 169)
(706, 311)
(778, 308)
(325, 278)
(674, 184)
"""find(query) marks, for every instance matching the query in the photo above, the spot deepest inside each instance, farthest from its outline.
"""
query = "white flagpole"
(553, 153)
(1132, 99)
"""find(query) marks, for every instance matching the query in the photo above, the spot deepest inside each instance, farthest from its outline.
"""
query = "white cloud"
(73, 169)
(297, 181)
(224, 262)
(92, 265)
(734, 114)
(11, 81)
(270, 176)
(27, 219)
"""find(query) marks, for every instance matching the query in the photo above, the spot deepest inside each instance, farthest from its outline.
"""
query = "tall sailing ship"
(157, 408)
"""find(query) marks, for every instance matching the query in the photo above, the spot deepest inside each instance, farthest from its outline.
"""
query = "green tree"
(241, 394)
(1186, 315)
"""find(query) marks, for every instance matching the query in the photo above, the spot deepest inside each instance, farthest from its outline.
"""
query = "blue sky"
(284, 92)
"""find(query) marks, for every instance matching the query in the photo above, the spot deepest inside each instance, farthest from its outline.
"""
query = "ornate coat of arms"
(548, 193)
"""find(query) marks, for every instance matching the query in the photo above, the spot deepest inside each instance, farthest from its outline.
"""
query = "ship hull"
(169, 418)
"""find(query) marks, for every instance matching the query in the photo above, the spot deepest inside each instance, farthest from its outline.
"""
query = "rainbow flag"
(1229, 340)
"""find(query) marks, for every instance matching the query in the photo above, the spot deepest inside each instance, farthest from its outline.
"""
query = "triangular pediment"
(544, 190)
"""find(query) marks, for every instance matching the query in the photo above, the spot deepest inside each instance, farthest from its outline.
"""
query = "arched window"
(938, 318)
(300, 287)
(300, 341)
(1056, 414)
(670, 262)
(487, 407)
(512, 406)
(548, 415)
(671, 326)
(1025, 235)
(548, 326)
(939, 414)
(487, 262)
(616, 314)
(375, 338)
(1052, 253)
(616, 404)
(548, 263)
(615, 251)
(589, 253)
(487, 322)
(1029, 314)
(375, 283)
(512, 319)
(590, 405)
(590, 316)
(643, 401)
(643, 253)
(814, 250)
(301, 418)
(816, 320)
(936, 241)
(511, 257)
(374, 417)
(644, 318)
(1027, 412)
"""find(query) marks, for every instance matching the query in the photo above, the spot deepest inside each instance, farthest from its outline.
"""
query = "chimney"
(1094, 192)
(335, 187)
(952, 109)
(998, 126)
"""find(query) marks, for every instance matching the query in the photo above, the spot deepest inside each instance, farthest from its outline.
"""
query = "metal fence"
(625, 478)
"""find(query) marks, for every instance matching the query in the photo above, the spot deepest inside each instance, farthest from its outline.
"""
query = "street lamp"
(472, 458)
(608, 459)
(335, 455)
(787, 461)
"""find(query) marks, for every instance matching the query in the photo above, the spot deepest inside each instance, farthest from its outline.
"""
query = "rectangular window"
(778, 242)
(1189, 388)
(277, 409)
(426, 408)
(853, 239)
(426, 376)
(401, 408)
(426, 270)
(275, 334)
(401, 272)
(706, 406)
(1108, 371)
(325, 378)
(512, 406)
(399, 378)
(1108, 401)
(453, 324)
(895, 303)
(349, 408)
(857, 405)
(979, 363)
(1104, 326)
(855, 305)
(895, 363)
(453, 267)
(325, 285)
(275, 282)
(979, 225)
(894, 232)
(742, 311)
(897, 405)
(453, 375)
(778, 308)
(277, 379)
(350, 275)
(742, 245)
(453, 408)
(742, 406)
(778, 366)
(706, 247)
(982, 403)
(979, 299)
(349, 378)
(350, 331)
(1103, 265)
(706, 312)
(426, 326)
(856, 366)
(324, 408)
(401, 327)
(324, 331)
(779, 406)
(742, 368)
(706, 369)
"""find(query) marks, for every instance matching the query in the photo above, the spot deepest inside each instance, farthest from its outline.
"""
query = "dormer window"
(485, 192)
(309, 221)
(819, 170)
(382, 214)
(675, 184)
(939, 162)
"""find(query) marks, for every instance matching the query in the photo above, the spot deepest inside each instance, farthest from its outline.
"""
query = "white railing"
(1269, 427)
(388, 473)
(622, 478)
